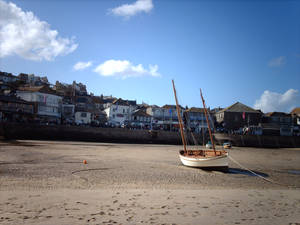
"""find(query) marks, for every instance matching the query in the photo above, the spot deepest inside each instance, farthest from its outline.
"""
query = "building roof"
(239, 107)
(97, 99)
(171, 107)
(140, 112)
(43, 89)
(281, 114)
(194, 109)
(143, 105)
(296, 111)
(153, 106)
(124, 102)
(215, 110)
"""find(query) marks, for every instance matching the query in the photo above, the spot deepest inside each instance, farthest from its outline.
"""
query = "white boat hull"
(205, 162)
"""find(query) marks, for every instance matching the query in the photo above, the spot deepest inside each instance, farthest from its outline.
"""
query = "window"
(41, 98)
(83, 114)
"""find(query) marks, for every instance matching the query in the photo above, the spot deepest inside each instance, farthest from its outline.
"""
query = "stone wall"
(265, 141)
(97, 134)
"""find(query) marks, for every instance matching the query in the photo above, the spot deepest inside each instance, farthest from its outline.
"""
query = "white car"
(208, 145)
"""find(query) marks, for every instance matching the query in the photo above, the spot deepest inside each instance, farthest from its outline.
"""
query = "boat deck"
(203, 153)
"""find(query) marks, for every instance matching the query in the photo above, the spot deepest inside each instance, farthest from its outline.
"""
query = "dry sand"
(45, 182)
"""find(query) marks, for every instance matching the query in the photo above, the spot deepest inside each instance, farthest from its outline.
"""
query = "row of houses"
(49, 107)
(26, 98)
(238, 116)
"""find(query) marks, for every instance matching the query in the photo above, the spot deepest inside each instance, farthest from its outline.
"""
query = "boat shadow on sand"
(237, 171)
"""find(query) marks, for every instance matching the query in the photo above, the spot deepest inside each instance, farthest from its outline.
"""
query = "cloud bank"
(128, 10)
(82, 65)
(277, 62)
(23, 34)
(272, 101)
(124, 69)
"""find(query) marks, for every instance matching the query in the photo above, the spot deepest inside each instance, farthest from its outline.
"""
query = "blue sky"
(247, 51)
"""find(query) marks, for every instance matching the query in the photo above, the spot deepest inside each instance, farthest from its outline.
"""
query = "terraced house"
(13, 109)
(237, 116)
(119, 111)
(47, 103)
(196, 120)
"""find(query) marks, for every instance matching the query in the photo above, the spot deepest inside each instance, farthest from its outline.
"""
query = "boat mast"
(179, 118)
(209, 130)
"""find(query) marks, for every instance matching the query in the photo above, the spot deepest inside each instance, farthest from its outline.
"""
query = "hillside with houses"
(27, 98)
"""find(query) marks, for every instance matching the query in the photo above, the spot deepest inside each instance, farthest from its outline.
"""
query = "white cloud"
(128, 10)
(82, 65)
(125, 69)
(277, 62)
(277, 102)
(23, 34)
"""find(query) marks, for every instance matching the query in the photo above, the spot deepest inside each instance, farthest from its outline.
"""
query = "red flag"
(244, 115)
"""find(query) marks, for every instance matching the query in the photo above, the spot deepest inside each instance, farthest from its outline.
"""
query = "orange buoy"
(84, 162)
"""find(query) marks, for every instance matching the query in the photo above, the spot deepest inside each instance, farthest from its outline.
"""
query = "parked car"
(227, 145)
(79, 122)
(208, 145)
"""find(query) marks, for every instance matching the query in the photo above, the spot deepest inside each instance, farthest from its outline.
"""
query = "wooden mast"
(209, 130)
(179, 118)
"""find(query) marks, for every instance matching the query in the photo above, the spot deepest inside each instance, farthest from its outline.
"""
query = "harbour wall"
(263, 141)
(84, 133)
(122, 135)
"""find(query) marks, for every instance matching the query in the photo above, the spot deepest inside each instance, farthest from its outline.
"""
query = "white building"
(83, 118)
(164, 116)
(157, 114)
(120, 111)
(47, 104)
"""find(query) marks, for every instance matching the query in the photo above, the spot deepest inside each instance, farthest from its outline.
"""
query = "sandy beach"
(46, 182)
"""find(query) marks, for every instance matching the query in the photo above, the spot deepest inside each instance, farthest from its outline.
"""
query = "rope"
(83, 170)
(260, 176)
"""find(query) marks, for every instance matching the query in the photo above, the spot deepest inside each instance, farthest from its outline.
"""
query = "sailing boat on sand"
(203, 158)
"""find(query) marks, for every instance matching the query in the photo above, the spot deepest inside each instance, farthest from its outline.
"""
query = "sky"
(246, 51)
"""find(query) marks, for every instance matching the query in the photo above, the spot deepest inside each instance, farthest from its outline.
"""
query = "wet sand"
(45, 182)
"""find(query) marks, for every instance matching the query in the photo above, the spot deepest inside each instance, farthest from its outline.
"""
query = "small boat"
(202, 157)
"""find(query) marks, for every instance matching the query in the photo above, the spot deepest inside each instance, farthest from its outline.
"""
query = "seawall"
(84, 133)
(259, 140)
(121, 135)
